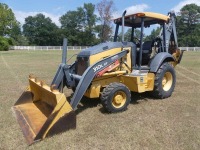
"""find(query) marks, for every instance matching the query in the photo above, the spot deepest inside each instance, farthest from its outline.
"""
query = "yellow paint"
(98, 83)
(93, 91)
(150, 81)
(97, 57)
(130, 82)
(119, 99)
(111, 52)
(62, 108)
(149, 15)
(139, 83)
(115, 73)
(40, 110)
(127, 59)
(167, 81)
(176, 56)
(134, 83)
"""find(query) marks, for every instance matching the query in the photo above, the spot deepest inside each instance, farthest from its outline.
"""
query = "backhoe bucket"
(41, 112)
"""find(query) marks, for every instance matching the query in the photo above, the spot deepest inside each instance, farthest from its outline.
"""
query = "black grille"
(82, 64)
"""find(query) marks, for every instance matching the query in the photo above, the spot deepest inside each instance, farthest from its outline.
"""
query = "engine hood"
(103, 47)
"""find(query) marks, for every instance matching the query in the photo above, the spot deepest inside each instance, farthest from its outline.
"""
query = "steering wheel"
(137, 40)
(156, 46)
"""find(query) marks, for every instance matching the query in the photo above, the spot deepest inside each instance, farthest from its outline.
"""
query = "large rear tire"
(165, 80)
(115, 97)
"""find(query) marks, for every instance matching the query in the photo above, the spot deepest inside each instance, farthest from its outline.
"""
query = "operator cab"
(136, 24)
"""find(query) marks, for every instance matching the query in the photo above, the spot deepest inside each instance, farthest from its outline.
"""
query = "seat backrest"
(146, 52)
(147, 47)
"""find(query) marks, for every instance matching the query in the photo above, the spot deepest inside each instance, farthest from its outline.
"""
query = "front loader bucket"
(41, 112)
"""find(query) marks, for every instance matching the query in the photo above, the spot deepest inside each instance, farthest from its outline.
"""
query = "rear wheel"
(115, 97)
(164, 81)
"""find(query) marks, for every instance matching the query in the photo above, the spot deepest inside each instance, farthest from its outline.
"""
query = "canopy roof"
(134, 20)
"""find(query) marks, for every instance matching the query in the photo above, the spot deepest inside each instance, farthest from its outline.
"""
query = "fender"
(159, 59)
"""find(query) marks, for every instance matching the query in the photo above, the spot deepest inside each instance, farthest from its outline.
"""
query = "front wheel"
(115, 97)
(165, 80)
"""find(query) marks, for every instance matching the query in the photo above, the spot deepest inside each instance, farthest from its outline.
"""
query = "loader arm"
(90, 73)
(63, 72)
(64, 76)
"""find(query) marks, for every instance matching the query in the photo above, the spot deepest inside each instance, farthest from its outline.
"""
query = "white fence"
(47, 47)
(77, 48)
(190, 48)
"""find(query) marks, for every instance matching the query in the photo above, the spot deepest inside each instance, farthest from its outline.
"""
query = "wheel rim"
(119, 99)
(167, 81)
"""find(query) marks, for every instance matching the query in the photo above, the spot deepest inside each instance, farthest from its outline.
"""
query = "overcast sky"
(55, 8)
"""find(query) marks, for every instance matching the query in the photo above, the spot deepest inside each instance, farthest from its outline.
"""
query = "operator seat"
(146, 52)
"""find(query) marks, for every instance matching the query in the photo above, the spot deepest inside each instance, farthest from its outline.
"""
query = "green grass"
(172, 123)
(192, 61)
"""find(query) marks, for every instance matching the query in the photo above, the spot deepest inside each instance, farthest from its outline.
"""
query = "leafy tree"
(127, 35)
(70, 24)
(40, 30)
(153, 35)
(137, 33)
(4, 44)
(88, 21)
(188, 26)
(9, 27)
(79, 25)
(99, 30)
(20, 40)
(7, 20)
(105, 9)
(16, 35)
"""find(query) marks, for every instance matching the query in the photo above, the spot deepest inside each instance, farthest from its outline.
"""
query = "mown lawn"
(173, 123)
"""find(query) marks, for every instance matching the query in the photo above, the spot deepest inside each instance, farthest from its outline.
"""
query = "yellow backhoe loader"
(109, 71)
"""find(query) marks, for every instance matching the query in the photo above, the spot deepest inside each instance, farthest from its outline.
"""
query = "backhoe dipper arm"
(89, 74)
(170, 29)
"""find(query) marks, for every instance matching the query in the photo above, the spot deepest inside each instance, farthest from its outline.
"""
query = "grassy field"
(173, 123)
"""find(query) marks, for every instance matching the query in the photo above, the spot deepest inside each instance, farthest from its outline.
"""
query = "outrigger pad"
(42, 112)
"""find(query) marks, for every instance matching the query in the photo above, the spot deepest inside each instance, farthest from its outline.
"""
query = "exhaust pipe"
(64, 52)
(123, 15)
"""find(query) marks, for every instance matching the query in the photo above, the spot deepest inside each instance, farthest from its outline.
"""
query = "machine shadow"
(86, 103)
(136, 97)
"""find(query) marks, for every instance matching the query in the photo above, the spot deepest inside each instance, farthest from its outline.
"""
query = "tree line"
(83, 27)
